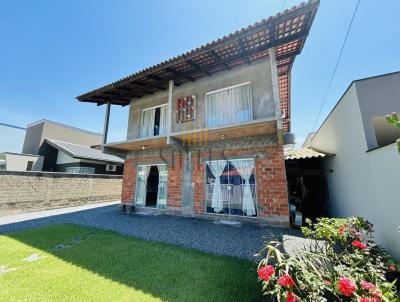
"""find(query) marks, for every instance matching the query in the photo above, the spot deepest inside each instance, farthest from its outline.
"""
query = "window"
(151, 186)
(154, 121)
(230, 187)
(29, 165)
(80, 170)
(229, 106)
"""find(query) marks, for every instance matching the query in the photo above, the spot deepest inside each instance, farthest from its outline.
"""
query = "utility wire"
(336, 66)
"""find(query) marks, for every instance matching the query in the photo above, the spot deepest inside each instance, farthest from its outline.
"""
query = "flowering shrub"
(342, 263)
(394, 120)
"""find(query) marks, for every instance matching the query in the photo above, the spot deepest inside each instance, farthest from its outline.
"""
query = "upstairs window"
(154, 121)
(229, 106)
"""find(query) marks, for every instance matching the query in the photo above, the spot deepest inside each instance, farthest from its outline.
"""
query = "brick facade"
(174, 177)
(271, 188)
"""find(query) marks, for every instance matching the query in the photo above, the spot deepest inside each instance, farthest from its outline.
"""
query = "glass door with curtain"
(141, 186)
(154, 121)
(231, 187)
(162, 187)
(229, 106)
(151, 186)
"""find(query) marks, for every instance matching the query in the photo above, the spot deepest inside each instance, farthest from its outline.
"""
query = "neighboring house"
(51, 146)
(364, 178)
(20, 162)
(74, 158)
(205, 131)
(11, 138)
(37, 132)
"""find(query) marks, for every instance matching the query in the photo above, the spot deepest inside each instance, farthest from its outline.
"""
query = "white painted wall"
(362, 183)
(11, 138)
(19, 162)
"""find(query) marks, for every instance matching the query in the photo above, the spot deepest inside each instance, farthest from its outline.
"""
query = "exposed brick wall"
(272, 203)
(271, 188)
(28, 191)
(175, 167)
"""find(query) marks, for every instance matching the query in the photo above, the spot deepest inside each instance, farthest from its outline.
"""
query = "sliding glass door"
(230, 187)
(151, 186)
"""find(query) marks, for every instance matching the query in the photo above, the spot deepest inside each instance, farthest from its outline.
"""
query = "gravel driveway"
(205, 235)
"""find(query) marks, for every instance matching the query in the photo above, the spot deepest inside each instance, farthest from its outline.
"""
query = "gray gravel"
(240, 241)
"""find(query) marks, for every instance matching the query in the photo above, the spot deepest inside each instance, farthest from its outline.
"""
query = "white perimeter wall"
(19, 162)
(362, 183)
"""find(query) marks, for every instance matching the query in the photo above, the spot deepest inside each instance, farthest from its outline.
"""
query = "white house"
(365, 177)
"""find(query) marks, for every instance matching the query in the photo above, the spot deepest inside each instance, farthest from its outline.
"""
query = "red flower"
(346, 286)
(286, 280)
(290, 297)
(342, 229)
(392, 268)
(367, 285)
(266, 272)
(359, 244)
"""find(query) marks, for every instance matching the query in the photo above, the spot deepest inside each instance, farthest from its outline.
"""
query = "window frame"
(142, 120)
(255, 187)
(229, 88)
(136, 183)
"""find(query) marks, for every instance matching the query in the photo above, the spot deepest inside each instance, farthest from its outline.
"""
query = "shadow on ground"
(168, 272)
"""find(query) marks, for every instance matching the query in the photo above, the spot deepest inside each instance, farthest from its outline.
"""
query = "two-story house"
(205, 131)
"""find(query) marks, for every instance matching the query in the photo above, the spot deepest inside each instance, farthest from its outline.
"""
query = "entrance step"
(228, 222)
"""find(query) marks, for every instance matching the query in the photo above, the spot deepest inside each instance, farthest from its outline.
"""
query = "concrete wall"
(30, 191)
(358, 185)
(258, 73)
(19, 162)
(11, 138)
(377, 96)
(36, 133)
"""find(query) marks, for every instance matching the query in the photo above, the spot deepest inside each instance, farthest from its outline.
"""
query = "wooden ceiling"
(286, 32)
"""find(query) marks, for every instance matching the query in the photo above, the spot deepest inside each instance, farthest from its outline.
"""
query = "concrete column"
(106, 122)
(169, 109)
(187, 185)
(275, 87)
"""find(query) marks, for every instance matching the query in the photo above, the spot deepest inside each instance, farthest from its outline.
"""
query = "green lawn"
(106, 266)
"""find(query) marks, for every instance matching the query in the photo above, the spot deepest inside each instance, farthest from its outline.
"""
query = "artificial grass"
(105, 266)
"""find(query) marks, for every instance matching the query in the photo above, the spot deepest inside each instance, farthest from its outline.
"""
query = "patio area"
(242, 240)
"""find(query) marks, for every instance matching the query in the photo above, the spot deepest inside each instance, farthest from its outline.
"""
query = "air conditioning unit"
(111, 168)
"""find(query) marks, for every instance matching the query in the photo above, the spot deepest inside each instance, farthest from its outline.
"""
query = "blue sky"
(52, 51)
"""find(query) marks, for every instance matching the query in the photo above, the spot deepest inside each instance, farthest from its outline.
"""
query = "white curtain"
(162, 186)
(229, 107)
(141, 185)
(163, 120)
(216, 168)
(147, 123)
(245, 169)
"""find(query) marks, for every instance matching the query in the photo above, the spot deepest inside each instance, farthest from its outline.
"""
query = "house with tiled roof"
(206, 128)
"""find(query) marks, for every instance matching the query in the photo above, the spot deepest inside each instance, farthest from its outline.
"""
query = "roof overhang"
(304, 153)
(286, 32)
